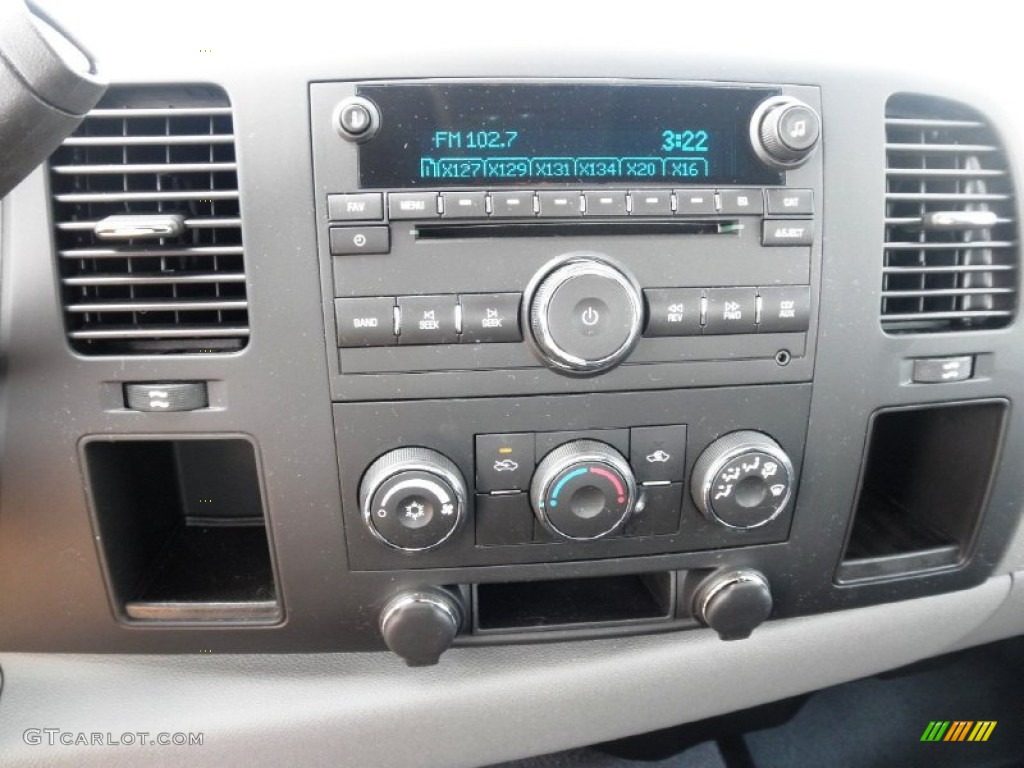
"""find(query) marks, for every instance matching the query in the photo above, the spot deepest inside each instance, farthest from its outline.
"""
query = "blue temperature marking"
(563, 481)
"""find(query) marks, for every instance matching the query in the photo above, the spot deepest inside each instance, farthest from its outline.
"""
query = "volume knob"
(584, 314)
(784, 132)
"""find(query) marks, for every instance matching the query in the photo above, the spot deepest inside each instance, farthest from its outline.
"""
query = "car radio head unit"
(509, 236)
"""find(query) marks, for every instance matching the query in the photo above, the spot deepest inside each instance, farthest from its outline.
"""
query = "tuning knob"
(419, 626)
(784, 132)
(583, 490)
(413, 499)
(733, 603)
(742, 480)
(584, 314)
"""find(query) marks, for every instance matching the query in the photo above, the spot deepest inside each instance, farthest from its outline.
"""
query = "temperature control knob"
(583, 490)
(584, 314)
(784, 132)
(742, 480)
(413, 498)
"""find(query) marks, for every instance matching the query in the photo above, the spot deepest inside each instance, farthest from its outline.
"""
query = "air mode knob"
(742, 480)
(583, 490)
(784, 132)
(584, 313)
(413, 499)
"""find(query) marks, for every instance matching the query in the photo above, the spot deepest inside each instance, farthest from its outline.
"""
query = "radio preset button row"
(381, 321)
(717, 311)
(571, 204)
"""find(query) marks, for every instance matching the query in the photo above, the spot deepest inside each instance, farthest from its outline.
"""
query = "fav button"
(490, 317)
(368, 206)
(504, 462)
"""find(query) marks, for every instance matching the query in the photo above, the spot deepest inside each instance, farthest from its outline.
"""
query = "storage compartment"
(182, 528)
(563, 603)
(924, 487)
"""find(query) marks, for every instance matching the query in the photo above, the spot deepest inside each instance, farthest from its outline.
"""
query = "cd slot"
(480, 231)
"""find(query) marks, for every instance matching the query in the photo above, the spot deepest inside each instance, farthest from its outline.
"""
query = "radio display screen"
(497, 134)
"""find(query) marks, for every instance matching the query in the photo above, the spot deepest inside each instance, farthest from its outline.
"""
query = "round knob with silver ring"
(420, 625)
(413, 499)
(585, 314)
(356, 119)
(742, 480)
(583, 490)
(784, 132)
(733, 602)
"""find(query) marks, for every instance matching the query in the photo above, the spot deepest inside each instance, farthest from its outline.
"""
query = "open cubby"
(923, 489)
(182, 529)
(598, 601)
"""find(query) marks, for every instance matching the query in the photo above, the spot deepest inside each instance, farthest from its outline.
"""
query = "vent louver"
(951, 248)
(147, 225)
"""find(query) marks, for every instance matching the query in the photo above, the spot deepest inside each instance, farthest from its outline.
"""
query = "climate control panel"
(460, 483)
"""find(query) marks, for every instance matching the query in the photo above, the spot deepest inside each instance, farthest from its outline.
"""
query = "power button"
(585, 316)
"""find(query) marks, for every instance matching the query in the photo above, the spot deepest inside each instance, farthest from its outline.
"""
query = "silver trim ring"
(757, 120)
(578, 452)
(399, 602)
(414, 459)
(751, 444)
(543, 289)
(719, 582)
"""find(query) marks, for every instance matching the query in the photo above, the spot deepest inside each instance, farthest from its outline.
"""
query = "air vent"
(147, 225)
(951, 249)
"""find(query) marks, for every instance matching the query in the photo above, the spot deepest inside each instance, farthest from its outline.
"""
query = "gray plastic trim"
(477, 707)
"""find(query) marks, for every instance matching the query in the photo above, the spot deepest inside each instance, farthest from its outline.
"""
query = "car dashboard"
(376, 394)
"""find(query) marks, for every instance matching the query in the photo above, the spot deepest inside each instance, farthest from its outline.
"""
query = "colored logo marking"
(959, 730)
